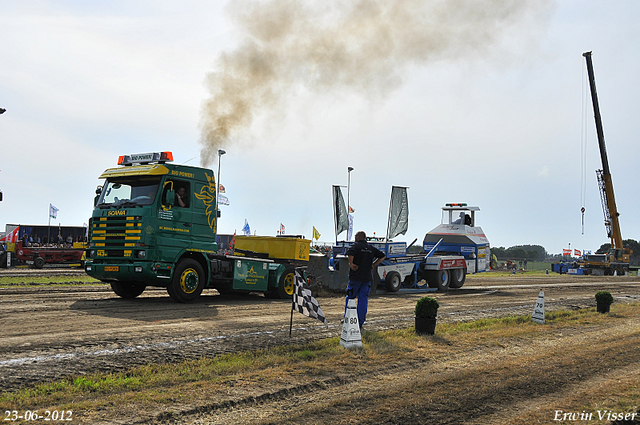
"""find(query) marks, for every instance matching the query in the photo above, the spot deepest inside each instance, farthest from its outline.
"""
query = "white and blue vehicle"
(451, 250)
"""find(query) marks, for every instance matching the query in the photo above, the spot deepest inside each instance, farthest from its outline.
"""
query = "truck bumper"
(148, 273)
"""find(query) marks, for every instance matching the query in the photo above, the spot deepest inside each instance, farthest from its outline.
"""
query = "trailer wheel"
(458, 276)
(38, 262)
(393, 281)
(439, 279)
(127, 289)
(286, 283)
(188, 281)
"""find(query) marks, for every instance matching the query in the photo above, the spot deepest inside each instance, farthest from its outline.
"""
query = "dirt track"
(50, 332)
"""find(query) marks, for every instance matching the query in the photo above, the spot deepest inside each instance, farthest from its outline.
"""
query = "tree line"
(520, 252)
(538, 253)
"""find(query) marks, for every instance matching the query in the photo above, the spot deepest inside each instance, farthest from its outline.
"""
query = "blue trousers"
(358, 291)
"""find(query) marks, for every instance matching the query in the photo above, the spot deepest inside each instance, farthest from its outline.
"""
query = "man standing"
(362, 259)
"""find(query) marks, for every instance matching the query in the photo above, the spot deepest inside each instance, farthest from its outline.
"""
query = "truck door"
(175, 221)
(204, 217)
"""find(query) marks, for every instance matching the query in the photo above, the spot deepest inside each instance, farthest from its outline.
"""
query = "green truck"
(154, 223)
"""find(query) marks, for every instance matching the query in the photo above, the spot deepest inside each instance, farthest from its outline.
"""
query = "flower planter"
(426, 325)
(603, 307)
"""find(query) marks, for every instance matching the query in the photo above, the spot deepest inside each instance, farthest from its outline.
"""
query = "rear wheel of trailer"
(438, 279)
(458, 277)
(286, 283)
(38, 262)
(392, 281)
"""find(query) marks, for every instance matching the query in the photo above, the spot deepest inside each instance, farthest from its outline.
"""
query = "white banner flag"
(53, 211)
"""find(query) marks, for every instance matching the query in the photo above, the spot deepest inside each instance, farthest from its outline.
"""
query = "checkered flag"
(303, 301)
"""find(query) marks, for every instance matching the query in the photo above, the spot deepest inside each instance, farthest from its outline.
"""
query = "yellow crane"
(617, 259)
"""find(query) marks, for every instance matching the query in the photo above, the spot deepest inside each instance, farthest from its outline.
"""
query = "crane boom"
(604, 176)
(616, 260)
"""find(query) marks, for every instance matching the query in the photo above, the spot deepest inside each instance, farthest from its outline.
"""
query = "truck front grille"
(114, 237)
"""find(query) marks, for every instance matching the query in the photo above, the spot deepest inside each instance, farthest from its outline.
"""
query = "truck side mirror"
(170, 198)
(218, 213)
(98, 192)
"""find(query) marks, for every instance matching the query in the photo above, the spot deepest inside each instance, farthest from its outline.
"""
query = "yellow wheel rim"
(288, 284)
(189, 281)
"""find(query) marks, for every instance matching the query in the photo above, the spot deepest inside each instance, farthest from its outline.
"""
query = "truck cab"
(155, 224)
(151, 221)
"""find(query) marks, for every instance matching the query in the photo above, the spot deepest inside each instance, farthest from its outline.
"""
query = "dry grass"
(507, 370)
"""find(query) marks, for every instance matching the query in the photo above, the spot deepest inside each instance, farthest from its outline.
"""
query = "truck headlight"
(142, 254)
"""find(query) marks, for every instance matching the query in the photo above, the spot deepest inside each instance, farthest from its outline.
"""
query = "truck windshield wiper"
(128, 204)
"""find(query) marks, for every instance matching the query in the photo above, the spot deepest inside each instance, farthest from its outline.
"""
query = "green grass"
(47, 280)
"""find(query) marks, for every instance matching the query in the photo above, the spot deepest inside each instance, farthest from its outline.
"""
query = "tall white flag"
(53, 211)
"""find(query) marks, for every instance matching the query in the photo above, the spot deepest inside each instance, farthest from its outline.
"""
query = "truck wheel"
(393, 281)
(458, 276)
(38, 262)
(439, 279)
(188, 281)
(286, 283)
(127, 289)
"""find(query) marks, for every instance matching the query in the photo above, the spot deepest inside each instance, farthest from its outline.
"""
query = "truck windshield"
(129, 192)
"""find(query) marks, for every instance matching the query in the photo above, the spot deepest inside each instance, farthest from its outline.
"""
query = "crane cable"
(583, 148)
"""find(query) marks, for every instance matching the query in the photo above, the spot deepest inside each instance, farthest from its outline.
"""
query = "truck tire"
(458, 277)
(188, 281)
(439, 279)
(38, 262)
(392, 281)
(127, 289)
(286, 284)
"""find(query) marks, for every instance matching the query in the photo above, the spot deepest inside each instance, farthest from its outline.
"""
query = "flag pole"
(291, 320)
(49, 227)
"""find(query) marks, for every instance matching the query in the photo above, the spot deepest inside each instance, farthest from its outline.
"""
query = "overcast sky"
(484, 104)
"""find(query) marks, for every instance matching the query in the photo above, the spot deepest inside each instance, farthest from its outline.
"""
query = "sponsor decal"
(173, 229)
(182, 174)
(165, 214)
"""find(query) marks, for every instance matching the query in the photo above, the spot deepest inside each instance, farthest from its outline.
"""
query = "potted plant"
(426, 312)
(603, 301)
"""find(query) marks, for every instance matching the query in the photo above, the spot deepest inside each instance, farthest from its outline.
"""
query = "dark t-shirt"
(364, 255)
